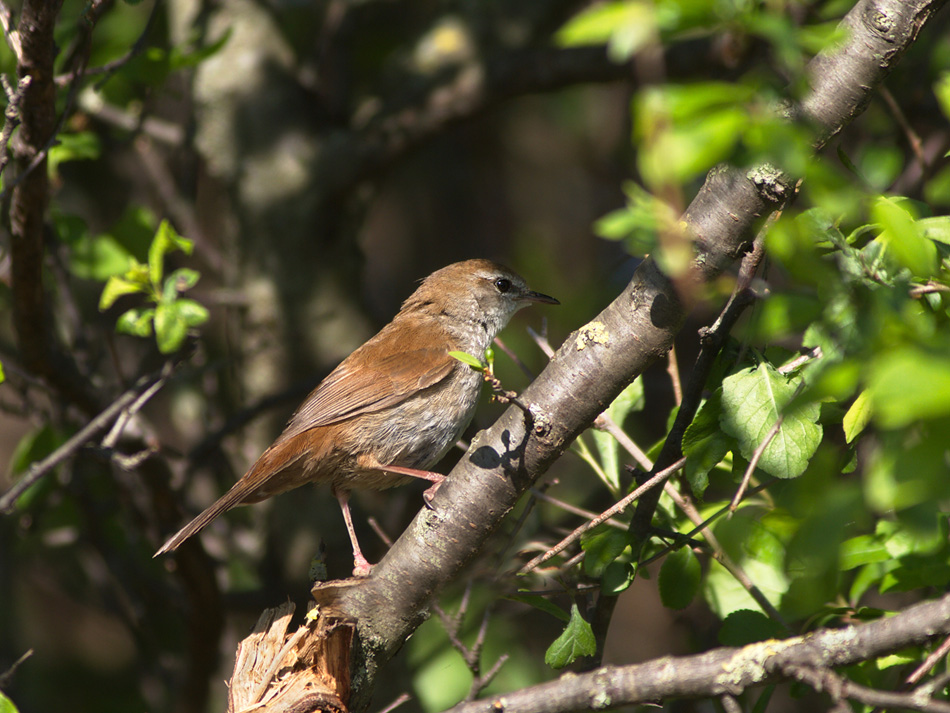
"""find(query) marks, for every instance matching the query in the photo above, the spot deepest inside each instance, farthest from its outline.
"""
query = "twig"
(542, 341)
(573, 509)
(705, 523)
(617, 508)
(128, 413)
(514, 357)
(6, 678)
(928, 288)
(759, 451)
(722, 557)
(11, 115)
(380, 533)
(12, 35)
(110, 68)
(929, 662)
(673, 369)
(813, 353)
(916, 145)
(754, 461)
(400, 699)
(86, 433)
(606, 423)
(839, 688)
(712, 340)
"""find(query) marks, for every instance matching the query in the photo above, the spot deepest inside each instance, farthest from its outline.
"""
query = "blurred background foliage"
(254, 187)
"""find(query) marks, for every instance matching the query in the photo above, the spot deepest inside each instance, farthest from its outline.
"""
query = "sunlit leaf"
(466, 358)
(170, 327)
(136, 322)
(752, 402)
(575, 641)
(115, 288)
(908, 384)
(857, 417)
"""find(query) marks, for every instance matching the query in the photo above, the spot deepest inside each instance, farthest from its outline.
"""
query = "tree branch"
(730, 671)
(40, 351)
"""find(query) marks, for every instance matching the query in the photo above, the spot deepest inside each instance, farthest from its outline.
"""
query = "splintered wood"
(309, 670)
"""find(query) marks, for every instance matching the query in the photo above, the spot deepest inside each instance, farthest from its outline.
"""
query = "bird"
(395, 406)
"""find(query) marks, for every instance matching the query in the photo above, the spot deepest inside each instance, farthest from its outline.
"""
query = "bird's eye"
(502, 284)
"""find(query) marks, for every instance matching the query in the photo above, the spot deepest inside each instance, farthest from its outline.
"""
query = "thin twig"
(929, 662)
(759, 451)
(573, 509)
(6, 678)
(673, 369)
(12, 35)
(514, 357)
(128, 413)
(913, 138)
(11, 115)
(616, 509)
(811, 354)
(85, 434)
(722, 557)
(605, 423)
(754, 461)
(400, 699)
(110, 68)
(380, 533)
(705, 523)
(840, 688)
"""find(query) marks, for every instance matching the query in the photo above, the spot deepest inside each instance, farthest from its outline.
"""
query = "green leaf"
(936, 228)
(617, 577)
(184, 59)
(624, 26)
(576, 640)
(115, 288)
(903, 239)
(194, 313)
(3, 377)
(942, 92)
(857, 417)
(136, 321)
(704, 443)
(908, 384)
(754, 542)
(82, 146)
(746, 626)
(6, 705)
(465, 358)
(166, 240)
(541, 603)
(862, 550)
(601, 546)
(170, 327)
(752, 401)
(183, 279)
(679, 579)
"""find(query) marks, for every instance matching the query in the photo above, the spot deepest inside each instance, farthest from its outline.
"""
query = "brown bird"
(393, 407)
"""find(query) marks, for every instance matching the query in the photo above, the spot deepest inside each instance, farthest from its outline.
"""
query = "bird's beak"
(531, 296)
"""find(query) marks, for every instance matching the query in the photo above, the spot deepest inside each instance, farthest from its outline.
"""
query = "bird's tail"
(235, 496)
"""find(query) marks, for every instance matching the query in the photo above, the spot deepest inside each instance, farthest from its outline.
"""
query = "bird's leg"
(434, 478)
(361, 566)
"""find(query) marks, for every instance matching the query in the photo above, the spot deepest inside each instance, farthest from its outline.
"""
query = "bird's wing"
(378, 375)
